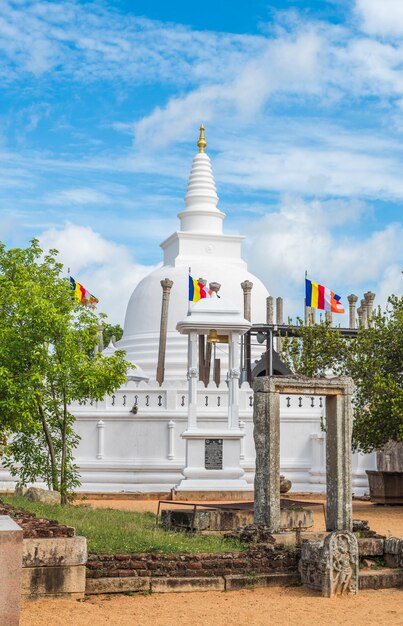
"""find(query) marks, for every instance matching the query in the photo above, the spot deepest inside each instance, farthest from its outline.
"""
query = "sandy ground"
(277, 606)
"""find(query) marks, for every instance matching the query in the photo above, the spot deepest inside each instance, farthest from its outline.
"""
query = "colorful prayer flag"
(197, 290)
(80, 293)
(320, 297)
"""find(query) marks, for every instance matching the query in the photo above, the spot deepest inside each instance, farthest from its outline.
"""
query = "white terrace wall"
(139, 452)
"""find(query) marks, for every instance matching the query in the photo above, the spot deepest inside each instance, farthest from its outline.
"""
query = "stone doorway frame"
(266, 432)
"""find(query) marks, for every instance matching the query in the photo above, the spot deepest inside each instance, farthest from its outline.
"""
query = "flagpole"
(190, 271)
(305, 307)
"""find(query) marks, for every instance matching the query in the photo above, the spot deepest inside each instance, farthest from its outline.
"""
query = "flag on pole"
(197, 290)
(320, 297)
(81, 294)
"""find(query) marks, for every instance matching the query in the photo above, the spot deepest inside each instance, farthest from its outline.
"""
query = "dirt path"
(262, 607)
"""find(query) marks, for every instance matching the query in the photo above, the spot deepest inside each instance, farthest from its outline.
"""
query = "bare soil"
(275, 606)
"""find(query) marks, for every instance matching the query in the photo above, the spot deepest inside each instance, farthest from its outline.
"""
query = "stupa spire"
(202, 143)
(201, 213)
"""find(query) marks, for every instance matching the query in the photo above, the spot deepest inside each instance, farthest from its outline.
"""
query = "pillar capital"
(369, 297)
(352, 298)
(247, 285)
(166, 284)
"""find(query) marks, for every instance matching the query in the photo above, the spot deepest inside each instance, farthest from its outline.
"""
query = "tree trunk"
(63, 486)
(53, 463)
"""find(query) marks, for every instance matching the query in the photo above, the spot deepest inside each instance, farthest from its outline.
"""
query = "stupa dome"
(201, 247)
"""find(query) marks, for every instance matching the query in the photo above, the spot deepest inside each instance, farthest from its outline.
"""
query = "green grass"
(113, 531)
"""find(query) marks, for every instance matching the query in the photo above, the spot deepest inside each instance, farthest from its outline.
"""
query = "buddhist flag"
(320, 297)
(81, 295)
(197, 290)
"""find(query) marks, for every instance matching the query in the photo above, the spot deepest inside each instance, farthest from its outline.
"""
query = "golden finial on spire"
(202, 143)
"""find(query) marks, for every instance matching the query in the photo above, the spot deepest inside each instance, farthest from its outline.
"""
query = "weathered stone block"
(165, 585)
(53, 581)
(370, 546)
(116, 585)
(10, 571)
(394, 546)
(239, 581)
(53, 552)
(381, 579)
(43, 495)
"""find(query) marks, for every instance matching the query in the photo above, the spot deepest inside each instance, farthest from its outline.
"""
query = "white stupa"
(134, 440)
(200, 245)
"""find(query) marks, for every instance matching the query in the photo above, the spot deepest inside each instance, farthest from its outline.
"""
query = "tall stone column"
(279, 320)
(352, 299)
(339, 421)
(166, 285)
(364, 314)
(270, 310)
(360, 317)
(233, 382)
(329, 316)
(247, 313)
(193, 376)
(369, 297)
(266, 434)
(247, 307)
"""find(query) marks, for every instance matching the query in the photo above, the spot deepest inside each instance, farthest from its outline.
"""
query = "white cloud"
(81, 195)
(381, 17)
(105, 268)
(301, 236)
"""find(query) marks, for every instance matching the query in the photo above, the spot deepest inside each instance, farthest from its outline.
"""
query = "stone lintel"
(304, 386)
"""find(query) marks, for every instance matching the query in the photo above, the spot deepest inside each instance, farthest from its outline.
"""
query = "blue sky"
(303, 107)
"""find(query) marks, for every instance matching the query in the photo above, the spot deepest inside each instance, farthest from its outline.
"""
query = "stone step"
(385, 578)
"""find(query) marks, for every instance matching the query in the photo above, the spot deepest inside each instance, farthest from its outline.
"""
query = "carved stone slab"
(340, 560)
(331, 566)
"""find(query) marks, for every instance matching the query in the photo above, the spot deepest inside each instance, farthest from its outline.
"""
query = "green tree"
(47, 362)
(111, 330)
(318, 349)
(374, 360)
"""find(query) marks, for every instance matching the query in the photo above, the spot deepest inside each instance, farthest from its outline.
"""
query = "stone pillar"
(10, 571)
(166, 285)
(193, 376)
(338, 460)
(233, 382)
(266, 434)
(270, 310)
(101, 439)
(352, 299)
(215, 287)
(364, 314)
(247, 307)
(247, 313)
(369, 297)
(279, 320)
(360, 317)
(171, 430)
(329, 317)
(312, 316)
